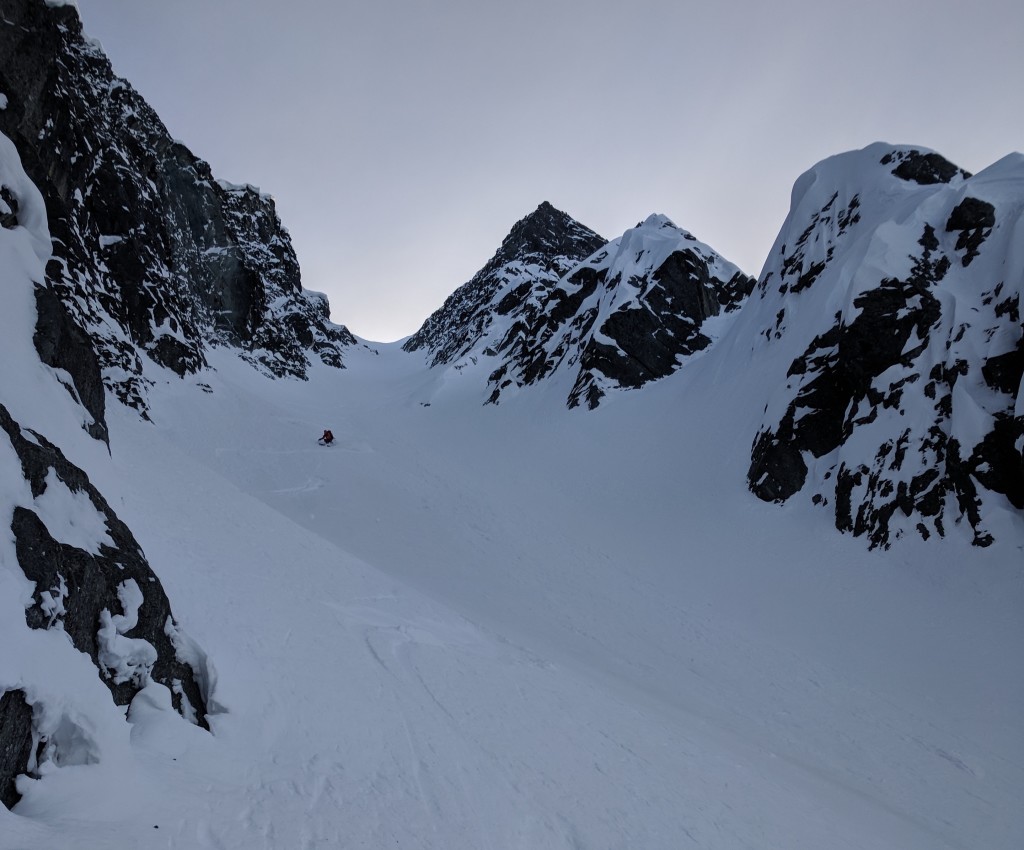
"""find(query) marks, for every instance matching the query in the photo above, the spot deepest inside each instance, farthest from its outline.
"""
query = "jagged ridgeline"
(892, 301)
(557, 299)
(154, 259)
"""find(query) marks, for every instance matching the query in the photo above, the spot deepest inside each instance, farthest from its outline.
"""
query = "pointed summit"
(549, 232)
(539, 249)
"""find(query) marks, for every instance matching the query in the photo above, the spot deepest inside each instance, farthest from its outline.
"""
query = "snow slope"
(561, 642)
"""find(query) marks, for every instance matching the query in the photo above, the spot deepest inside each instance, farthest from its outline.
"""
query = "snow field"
(565, 638)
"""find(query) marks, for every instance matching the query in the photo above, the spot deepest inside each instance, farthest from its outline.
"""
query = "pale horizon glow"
(402, 141)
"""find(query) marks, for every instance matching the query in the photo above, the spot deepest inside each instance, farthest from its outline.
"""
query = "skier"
(327, 438)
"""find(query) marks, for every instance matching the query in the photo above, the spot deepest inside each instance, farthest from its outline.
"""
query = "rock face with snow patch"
(93, 582)
(72, 576)
(153, 258)
(902, 403)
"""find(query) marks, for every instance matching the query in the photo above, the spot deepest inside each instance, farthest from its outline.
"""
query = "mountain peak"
(547, 231)
(631, 313)
(539, 249)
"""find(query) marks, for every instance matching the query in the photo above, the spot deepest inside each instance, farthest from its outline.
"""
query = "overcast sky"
(401, 140)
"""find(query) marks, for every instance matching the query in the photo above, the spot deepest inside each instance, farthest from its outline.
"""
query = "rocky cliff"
(77, 596)
(154, 260)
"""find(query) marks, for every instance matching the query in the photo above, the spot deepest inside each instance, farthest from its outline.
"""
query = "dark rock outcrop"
(973, 220)
(8, 208)
(62, 344)
(15, 743)
(108, 601)
(924, 168)
(153, 259)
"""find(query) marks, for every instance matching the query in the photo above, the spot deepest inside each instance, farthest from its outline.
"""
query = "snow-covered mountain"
(891, 304)
(153, 258)
(512, 624)
(124, 262)
(629, 314)
(557, 298)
